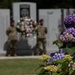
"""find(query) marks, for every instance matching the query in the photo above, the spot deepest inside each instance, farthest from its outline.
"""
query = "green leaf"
(55, 42)
(40, 66)
(70, 50)
(73, 73)
(58, 43)
(44, 72)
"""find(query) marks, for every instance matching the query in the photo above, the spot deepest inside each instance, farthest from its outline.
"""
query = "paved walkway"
(18, 57)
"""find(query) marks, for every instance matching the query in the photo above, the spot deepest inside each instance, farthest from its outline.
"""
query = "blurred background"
(52, 11)
(41, 4)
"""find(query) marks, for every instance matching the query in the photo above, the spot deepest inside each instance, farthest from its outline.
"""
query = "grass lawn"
(19, 66)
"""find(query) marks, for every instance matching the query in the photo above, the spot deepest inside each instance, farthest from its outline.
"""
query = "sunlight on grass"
(19, 66)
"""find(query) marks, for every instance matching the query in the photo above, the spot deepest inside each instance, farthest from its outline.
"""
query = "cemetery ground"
(26, 65)
(19, 66)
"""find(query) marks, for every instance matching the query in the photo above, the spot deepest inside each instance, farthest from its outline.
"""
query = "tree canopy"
(40, 3)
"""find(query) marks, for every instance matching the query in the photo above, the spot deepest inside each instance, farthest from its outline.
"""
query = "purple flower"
(56, 56)
(69, 21)
(71, 31)
(68, 35)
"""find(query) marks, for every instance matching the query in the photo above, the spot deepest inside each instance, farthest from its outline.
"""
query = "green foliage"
(73, 73)
(40, 66)
(43, 72)
(63, 67)
(64, 4)
(7, 3)
(70, 50)
(58, 43)
(41, 3)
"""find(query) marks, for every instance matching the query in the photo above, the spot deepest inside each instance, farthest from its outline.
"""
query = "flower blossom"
(51, 68)
(66, 37)
(69, 21)
(45, 57)
(67, 57)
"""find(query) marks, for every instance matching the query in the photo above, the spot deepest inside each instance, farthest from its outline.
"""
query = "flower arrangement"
(62, 63)
(67, 38)
(63, 66)
(26, 26)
